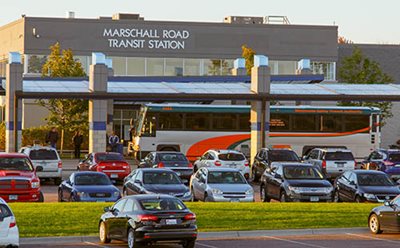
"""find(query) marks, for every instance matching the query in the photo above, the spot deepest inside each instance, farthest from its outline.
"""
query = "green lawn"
(69, 219)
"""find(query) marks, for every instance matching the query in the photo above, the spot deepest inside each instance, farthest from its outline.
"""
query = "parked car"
(294, 182)
(220, 185)
(385, 218)
(364, 186)
(156, 181)
(145, 219)
(48, 158)
(386, 160)
(175, 161)
(18, 179)
(88, 186)
(224, 158)
(9, 234)
(331, 161)
(112, 164)
(266, 156)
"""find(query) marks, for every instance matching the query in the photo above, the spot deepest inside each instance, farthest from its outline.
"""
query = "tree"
(358, 69)
(248, 54)
(343, 40)
(65, 114)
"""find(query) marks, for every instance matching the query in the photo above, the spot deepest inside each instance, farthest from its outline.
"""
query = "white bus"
(196, 128)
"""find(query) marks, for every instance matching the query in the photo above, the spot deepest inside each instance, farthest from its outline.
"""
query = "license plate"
(171, 221)
(232, 165)
(234, 200)
(114, 175)
(13, 197)
(340, 165)
(314, 198)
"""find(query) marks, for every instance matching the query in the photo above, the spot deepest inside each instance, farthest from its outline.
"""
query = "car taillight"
(160, 165)
(190, 165)
(190, 217)
(246, 163)
(13, 223)
(323, 164)
(59, 164)
(148, 217)
(355, 163)
(217, 163)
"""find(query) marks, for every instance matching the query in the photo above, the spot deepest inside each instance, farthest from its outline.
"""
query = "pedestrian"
(77, 140)
(52, 137)
(113, 140)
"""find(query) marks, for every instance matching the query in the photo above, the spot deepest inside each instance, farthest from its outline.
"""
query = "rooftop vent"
(70, 15)
(126, 16)
(244, 20)
(277, 20)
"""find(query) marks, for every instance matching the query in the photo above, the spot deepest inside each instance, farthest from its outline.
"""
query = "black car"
(364, 185)
(386, 217)
(175, 161)
(156, 181)
(294, 182)
(386, 160)
(266, 156)
(145, 219)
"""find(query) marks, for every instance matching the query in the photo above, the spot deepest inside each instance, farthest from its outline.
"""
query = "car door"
(396, 216)
(262, 162)
(113, 220)
(68, 187)
(5, 219)
(137, 184)
(347, 187)
(276, 182)
(268, 177)
(339, 187)
(129, 182)
(194, 184)
(353, 188)
(121, 221)
(202, 184)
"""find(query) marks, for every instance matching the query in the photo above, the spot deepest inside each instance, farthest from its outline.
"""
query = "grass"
(71, 219)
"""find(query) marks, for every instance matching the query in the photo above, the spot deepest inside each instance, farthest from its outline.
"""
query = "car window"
(210, 156)
(43, 154)
(18, 164)
(339, 156)
(376, 155)
(92, 179)
(301, 172)
(313, 154)
(394, 157)
(160, 177)
(225, 177)
(279, 170)
(282, 155)
(128, 205)
(352, 178)
(109, 157)
(396, 201)
(119, 205)
(161, 204)
(171, 157)
(374, 180)
(231, 157)
(139, 176)
(346, 175)
(4, 211)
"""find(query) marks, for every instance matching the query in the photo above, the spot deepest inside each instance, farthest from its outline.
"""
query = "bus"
(195, 128)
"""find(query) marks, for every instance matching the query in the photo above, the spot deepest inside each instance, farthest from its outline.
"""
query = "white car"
(9, 234)
(224, 158)
(48, 158)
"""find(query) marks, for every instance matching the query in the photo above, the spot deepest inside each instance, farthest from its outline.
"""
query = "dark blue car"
(88, 186)
(386, 160)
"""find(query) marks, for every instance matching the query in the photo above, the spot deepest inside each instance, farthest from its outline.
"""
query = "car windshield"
(231, 157)
(43, 154)
(109, 157)
(18, 164)
(301, 172)
(225, 177)
(282, 155)
(374, 180)
(161, 177)
(162, 204)
(4, 211)
(394, 157)
(166, 157)
(339, 156)
(92, 179)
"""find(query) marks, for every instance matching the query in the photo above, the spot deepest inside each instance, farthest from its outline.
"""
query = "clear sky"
(363, 21)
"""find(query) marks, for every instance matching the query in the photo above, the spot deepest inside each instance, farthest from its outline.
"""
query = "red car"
(111, 163)
(18, 179)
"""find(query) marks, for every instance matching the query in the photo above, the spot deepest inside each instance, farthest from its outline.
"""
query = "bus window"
(170, 121)
(197, 121)
(304, 123)
(330, 123)
(149, 126)
(226, 122)
(355, 122)
(244, 122)
(279, 122)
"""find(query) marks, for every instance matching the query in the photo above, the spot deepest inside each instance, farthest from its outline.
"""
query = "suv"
(266, 156)
(224, 158)
(18, 179)
(331, 161)
(48, 159)
(9, 234)
(386, 160)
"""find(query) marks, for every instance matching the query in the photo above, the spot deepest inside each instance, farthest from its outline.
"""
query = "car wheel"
(336, 197)
(131, 239)
(283, 197)
(374, 224)
(189, 244)
(263, 194)
(71, 198)
(207, 198)
(60, 199)
(57, 181)
(103, 233)
(41, 197)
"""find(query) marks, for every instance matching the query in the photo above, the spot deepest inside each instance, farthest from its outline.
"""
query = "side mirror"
(107, 209)
(277, 176)
(39, 168)
(304, 157)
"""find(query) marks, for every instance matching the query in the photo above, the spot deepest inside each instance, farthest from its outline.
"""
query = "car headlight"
(295, 189)
(250, 192)
(369, 196)
(116, 194)
(35, 185)
(187, 194)
(217, 191)
(82, 194)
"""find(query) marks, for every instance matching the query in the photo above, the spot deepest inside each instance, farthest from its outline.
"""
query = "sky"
(362, 21)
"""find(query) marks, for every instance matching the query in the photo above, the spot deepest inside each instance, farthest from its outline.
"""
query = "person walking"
(113, 140)
(77, 140)
(52, 137)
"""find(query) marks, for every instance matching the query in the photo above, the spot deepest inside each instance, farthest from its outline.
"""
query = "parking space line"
(94, 244)
(373, 238)
(295, 242)
(208, 246)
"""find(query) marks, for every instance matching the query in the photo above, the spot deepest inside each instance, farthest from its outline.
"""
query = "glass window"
(43, 154)
(4, 211)
(212, 67)
(160, 177)
(197, 122)
(227, 65)
(155, 66)
(170, 121)
(328, 69)
(84, 60)
(231, 157)
(303, 123)
(119, 205)
(191, 67)
(119, 66)
(173, 67)
(35, 63)
(287, 67)
(330, 123)
(300, 172)
(128, 205)
(244, 122)
(221, 121)
(162, 204)
(279, 122)
(149, 126)
(225, 177)
(355, 122)
(136, 66)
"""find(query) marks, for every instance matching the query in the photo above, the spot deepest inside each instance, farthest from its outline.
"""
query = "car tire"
(60, 199)
(206, 198)
(374, 224)
(263, 194)
(57, 181)
(41, 197)
(103, 233)
(336, 197)
(71, 198)
(132, 240)
(189, 243)
(283, 197)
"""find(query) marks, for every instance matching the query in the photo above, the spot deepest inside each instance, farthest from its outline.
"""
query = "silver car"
(220, 185)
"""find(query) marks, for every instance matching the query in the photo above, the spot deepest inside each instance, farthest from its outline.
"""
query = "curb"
(209, 235)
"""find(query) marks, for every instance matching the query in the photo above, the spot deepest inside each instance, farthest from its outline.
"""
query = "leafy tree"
(248, 54)
(343, 40)
(358, 69)
(65, 114)
(214, 68)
